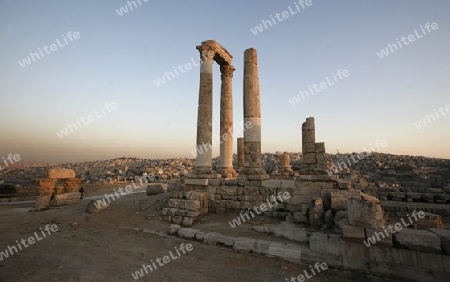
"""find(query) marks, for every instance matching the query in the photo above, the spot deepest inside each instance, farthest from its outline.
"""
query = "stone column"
(285, 163)
(203, 163)
(226, 122)
(309, 141)
(240, 153)
(252, 115)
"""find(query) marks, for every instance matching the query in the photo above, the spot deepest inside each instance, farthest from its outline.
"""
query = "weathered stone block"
(262, 247)
(339, 199)
(244, 244)
(309, 158)
(430, 261)
(365, 214)
(444, 235)
(418, 240)
(379, 236)
(201, 182)
(154, 190)
(176, 203)
(289, 252)
(308, 148)
(355, 256)
(321, 243)
(227, 190)
(429, 221)
(353, 232)
(188, 233)
(192, 205)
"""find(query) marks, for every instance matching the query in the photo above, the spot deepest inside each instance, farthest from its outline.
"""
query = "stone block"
(322, 243)
(308, 148)
(287, 184)
(309, 158)
(408, 257)
(66, 199)
(61, 173)
(430, 261)
(187, 221)
(286, 251)
(177, 219)
(244, 244)
(320, 147)
(173, 229)
(379, 236)
(418, 240)
(225, 240)
(384, 254)
(355, 256)
(188, 233)
(227, 190)
(215, 182)
(154, 190)
(444, 235)
(46, 182)
(176, 203)
(192, 205)
(353, 232)
(211, 238)
(199, 236)
(429, 221)
(339, 199)
(365, 214)
(311, 257)
(262, 247)
(201, 182)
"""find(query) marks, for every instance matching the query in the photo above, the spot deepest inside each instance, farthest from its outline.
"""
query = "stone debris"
(155, 190)
(96, 206)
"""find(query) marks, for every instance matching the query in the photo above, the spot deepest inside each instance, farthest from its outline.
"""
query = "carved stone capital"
(227, 71)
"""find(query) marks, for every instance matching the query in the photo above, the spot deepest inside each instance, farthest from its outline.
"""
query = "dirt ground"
(104, 248)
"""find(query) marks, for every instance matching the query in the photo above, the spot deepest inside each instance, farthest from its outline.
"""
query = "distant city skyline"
(81, 55)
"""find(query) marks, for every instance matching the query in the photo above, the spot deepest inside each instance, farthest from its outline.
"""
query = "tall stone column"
(203, 163)
(252, 115)
(240, 153)
(226, 122)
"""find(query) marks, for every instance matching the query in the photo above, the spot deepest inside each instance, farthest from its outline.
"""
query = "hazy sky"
(116, 59)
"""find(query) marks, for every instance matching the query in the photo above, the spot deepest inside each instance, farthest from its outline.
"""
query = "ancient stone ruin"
(316, 199)
(61, 187)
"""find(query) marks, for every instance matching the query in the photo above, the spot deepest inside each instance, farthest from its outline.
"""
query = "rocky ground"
(104, 246)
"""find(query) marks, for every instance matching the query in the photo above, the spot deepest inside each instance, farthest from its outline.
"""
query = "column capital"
(227, 71)
(210, 49)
